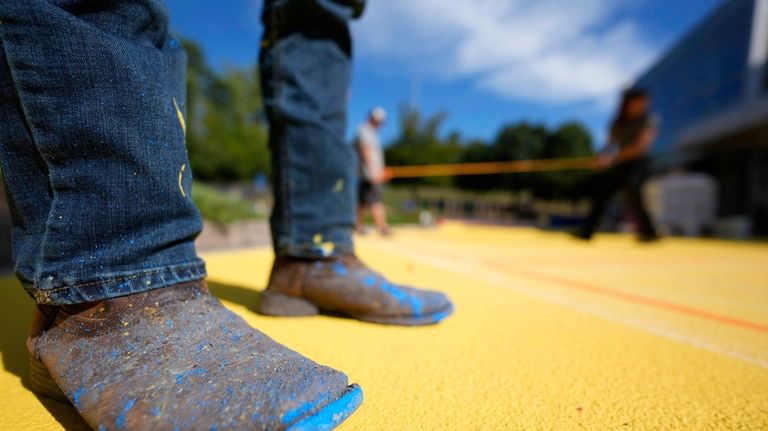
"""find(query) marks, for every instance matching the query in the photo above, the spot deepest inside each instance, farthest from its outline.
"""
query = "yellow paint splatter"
(182, 122)
(181, 175)
(327, 247)
(339, 186)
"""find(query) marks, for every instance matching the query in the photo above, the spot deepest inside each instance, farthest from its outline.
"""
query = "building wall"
(711, 92)
(703, 74)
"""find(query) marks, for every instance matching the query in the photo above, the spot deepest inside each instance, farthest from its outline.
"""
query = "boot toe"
(190, 364)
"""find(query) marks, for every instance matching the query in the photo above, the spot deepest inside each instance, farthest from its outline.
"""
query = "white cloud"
(547, 51)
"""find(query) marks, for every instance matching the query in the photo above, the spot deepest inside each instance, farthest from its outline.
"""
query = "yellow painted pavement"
(549, 334)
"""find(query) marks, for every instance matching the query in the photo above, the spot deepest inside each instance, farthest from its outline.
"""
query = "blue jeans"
(305, 70)
(92, 101)
(92, 96)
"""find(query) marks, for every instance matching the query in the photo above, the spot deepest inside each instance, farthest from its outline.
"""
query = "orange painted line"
(487, 168)
(644, 300)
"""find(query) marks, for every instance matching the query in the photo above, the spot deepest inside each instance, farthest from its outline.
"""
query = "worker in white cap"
(372, 174)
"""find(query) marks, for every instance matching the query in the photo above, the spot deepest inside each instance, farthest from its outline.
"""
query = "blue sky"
(484, 62)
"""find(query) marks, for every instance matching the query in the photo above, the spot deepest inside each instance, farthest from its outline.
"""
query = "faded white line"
(489, 276)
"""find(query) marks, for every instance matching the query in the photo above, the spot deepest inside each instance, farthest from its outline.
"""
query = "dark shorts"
(369, 193)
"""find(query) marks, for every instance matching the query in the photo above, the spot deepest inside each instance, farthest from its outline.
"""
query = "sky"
(483, 62)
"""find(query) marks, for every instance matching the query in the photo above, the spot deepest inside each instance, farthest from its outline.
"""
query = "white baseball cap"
(379, 114)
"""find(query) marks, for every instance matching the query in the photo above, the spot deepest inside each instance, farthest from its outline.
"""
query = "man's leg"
(603, 187)
(98, 102)
(633, 193)
(363, 205)
(305, 66)
(25, 179)
(379, 213)
(92, 148)
(360, 224)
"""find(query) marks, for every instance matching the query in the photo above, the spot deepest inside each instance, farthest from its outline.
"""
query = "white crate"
(681, 202)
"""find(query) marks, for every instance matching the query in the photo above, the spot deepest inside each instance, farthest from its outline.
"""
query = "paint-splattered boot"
(176, 359)
(343, 285)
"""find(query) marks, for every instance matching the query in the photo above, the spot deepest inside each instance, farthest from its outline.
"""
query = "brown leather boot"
(344, 285)
(175, 358)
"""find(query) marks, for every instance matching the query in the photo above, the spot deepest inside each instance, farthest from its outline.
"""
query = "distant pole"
(757, 80)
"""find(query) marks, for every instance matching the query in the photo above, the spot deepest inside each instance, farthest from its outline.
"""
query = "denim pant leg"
(93, 149)
(305, 68)
(26, 178)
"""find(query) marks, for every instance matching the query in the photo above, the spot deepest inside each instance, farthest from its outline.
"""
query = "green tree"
(476, 151)
(226, 134)
(522, 141)
(420, 143)
(569, 140)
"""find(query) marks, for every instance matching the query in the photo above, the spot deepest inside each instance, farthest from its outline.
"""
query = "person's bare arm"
(607, 155)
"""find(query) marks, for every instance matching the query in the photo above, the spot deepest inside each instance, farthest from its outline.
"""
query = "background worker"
(624, 162)
(371, 171)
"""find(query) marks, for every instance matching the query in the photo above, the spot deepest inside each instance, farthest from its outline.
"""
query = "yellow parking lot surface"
(549, 334)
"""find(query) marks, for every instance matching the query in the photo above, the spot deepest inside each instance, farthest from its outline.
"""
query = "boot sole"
(423, 320)
(281, 305)
(41, 382)
(327, 418)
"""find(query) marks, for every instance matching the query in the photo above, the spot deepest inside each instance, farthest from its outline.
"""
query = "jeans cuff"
(314, 251)
(116, 285)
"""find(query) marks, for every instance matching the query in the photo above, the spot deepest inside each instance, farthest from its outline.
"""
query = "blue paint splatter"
(169, 323)
(120, 422)
(416, 305)
(369, 280)
(155, 410)
(231, 335)
(340, 269)
(181, 378)
(440, 316)
(292, 415)
(114, 354)
(394, 292)
(332, 414)
(402, 297)
(102, 427)
(76, 397)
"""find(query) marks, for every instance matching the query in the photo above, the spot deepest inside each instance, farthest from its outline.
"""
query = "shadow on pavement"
(244, 296)
(15, 318)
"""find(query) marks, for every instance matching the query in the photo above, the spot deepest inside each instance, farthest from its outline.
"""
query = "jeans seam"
(113, 289)
(31, 130)
(15, 79)
(122, 278)
(286, 187)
